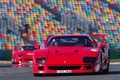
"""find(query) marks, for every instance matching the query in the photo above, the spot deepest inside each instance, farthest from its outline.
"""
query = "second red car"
(23, 54)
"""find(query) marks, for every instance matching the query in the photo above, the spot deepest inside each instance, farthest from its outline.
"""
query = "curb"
(114, 62)
(5, 62)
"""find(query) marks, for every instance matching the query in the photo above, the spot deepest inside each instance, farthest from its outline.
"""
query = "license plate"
(64, 71)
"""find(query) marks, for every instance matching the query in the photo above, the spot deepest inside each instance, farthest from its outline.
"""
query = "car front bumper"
(56, 69)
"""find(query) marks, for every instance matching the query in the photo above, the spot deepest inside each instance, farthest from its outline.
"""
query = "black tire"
(36, 75)
(108, 64)
(106, 70)
(15, 62)
(101, 70)
(39, 75)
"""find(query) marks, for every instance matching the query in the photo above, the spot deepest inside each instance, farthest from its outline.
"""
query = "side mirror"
(102, 45)
(15, 48)
(37, 47)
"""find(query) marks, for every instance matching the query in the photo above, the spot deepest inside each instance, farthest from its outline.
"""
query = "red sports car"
(23, 54)
(72, 53)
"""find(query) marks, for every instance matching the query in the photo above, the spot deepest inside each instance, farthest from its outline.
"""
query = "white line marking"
(114, 62)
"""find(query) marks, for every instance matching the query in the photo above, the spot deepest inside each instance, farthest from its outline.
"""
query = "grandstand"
(57, 17)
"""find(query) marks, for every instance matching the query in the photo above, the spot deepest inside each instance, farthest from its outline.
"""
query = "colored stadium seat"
(105, 19)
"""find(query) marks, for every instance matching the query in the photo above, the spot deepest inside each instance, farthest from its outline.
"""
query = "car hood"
(28, 52)
(67, 55)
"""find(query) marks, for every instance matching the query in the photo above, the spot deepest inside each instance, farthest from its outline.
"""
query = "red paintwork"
(27, 55)
(67, 56)
(100, 35)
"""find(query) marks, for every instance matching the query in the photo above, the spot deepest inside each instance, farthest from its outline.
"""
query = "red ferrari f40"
(72, 53)
(21, 54)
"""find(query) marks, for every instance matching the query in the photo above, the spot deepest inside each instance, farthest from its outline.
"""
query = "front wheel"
(100, 69)
(37, 75)
(14, 62)
(107, 69)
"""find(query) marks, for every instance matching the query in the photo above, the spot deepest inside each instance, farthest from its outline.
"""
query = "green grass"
(114, 60)
(114, 56)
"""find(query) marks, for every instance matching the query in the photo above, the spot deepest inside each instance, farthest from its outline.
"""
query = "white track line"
(114, 62)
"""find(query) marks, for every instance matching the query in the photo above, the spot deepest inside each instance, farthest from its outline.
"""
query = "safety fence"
(5, 55)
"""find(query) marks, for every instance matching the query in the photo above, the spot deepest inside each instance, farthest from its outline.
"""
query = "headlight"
(41, 60)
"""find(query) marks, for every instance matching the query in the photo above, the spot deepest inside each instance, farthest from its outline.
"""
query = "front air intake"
(89, 59)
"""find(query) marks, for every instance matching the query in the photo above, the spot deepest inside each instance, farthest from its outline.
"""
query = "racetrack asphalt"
(13, 73)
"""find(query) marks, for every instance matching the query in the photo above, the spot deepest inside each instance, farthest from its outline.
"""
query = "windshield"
(28, 48)
(70, 41)
(98, 39)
